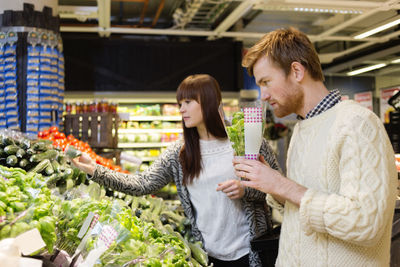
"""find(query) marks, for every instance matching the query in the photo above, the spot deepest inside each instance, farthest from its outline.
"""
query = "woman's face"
(191, 113)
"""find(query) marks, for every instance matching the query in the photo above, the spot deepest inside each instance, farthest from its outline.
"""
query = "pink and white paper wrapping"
(94, 221)
(253, 117)
(108, 235)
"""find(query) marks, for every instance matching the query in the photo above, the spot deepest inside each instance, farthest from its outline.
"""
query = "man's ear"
(298, 71)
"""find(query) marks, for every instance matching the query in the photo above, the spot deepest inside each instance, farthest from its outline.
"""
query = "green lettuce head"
(236, 133)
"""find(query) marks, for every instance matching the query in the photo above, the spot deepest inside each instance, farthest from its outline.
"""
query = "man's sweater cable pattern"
(345, 159)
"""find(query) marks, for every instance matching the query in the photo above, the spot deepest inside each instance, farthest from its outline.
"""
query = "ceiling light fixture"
(309, 9)
(378, 29)
(396, 61)
(317, 10)
(366, 69)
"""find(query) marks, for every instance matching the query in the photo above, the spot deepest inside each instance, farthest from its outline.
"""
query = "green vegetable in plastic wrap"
(199, 254)
(236, 133)
(72, 152)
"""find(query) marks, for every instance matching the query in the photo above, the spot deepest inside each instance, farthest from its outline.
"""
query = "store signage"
(384, 105)
(365, 99)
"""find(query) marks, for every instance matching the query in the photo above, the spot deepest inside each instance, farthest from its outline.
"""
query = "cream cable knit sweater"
(344, 157)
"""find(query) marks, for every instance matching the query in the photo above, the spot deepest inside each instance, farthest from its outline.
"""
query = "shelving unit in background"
(144, 145)
(130, 131)
(144, 133)
(148, 128)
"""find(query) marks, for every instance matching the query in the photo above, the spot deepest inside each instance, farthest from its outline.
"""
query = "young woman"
(224, 215)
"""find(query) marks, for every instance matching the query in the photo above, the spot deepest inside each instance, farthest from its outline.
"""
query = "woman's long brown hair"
(206, 91)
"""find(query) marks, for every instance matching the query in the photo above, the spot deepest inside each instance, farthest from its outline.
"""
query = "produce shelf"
(143, 145)
(131, 131)
(154, 118)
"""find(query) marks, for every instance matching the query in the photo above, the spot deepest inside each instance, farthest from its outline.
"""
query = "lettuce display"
(26, 203)
(143, 244)
(149, 231)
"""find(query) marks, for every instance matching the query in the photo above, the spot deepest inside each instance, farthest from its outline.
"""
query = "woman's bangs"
(187, 91)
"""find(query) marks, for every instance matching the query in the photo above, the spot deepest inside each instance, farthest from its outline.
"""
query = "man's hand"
(259, 175)
(232, 188)
(84, 163)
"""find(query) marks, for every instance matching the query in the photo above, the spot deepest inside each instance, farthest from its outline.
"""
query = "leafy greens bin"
(47, 193)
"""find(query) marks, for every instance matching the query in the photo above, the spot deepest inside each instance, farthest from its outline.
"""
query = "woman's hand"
(232, 188)
(85, 163)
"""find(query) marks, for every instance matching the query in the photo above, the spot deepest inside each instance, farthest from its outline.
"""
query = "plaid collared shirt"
(326, 103)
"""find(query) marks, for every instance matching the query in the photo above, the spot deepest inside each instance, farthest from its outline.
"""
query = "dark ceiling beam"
(121, 12)
(158, 13)
(388, 70)
(359, 60)
(144, 9)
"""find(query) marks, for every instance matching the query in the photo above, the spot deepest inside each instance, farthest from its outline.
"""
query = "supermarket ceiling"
(338, 29)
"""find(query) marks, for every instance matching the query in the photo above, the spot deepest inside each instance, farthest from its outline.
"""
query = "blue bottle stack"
(31, 70)
(42, 101)
(9, 84)
(3, 122)
(32, 91)
(61, 82)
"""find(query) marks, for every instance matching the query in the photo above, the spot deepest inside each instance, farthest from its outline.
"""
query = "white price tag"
(27, 262)
(30, 241)
(85, 225)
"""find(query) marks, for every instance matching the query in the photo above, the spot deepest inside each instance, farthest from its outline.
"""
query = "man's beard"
(293, 102)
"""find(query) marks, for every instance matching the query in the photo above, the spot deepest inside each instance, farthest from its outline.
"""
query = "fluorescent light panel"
(396, 61)
(326, 10)
(377, 29)
(366, 69)
(313, 9)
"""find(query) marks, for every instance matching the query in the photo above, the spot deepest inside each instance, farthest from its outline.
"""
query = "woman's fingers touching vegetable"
(84, 163)
(85, 158)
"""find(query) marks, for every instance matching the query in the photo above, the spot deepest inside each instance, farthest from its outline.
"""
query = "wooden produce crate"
(100, 130)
